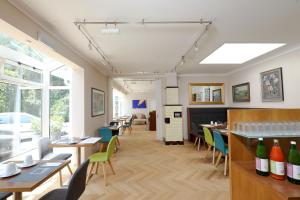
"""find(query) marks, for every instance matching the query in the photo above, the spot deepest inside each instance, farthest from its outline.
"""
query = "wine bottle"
(277, 162)
(262, 160)
(293, 164)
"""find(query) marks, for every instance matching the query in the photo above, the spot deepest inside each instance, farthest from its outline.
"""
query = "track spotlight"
(196, 48)
(182, 60)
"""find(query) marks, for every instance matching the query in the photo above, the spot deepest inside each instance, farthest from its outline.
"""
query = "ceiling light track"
(141, 80)
(143, 21)
(100, 22)
(93, 45)
(201, 21)
(194, 47)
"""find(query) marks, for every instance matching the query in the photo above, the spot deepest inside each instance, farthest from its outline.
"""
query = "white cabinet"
(173, 123)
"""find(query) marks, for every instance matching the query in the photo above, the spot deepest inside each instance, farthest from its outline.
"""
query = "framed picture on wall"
(206, 93)
(139, 104)
(272, 85)
(217, 95)
(241, 92)
(98, 102)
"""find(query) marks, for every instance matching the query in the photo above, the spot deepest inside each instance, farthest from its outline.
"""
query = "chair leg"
(60, 179)
(104, 173)
(196, 141)
(214, 154)
(225, 167)
(118, 141)
(111, 167)
(199, 143)
(219, 158)
(208, 151)
(70, 170)
(97, 166)
(90, 174)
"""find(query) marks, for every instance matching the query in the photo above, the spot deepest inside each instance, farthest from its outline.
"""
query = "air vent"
(46, 40)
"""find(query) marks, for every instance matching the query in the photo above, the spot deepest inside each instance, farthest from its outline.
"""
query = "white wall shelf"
(252, 135)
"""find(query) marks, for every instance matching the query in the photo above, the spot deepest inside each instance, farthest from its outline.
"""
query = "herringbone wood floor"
(148, 169)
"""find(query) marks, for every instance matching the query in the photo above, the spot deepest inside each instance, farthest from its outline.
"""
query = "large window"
(118, 99)
(60, 80)
(24, 93)
(20, 119)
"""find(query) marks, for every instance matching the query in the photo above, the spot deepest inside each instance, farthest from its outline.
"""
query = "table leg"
(78, 156)
(17, 195)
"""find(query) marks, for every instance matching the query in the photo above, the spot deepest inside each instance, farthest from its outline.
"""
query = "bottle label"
(293, 171)
(277, 168)
(262, 164)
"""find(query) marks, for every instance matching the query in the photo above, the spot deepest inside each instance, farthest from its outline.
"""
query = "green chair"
(103, 157)
(210, 142)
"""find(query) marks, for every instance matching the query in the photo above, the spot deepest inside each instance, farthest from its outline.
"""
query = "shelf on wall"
(266, 135)
(283, 188)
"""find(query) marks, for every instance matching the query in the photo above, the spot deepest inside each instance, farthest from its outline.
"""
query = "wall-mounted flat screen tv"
(139, 104)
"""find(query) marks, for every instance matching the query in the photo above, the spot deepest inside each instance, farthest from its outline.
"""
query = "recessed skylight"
(238, 53)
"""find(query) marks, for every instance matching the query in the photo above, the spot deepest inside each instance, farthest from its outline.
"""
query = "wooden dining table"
(31, 177)
(122, 120)
(76, 143)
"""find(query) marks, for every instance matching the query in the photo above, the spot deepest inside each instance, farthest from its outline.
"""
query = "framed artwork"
(141, 104)
(241, 92)
(98, 102)
(272, 85)
(217, 95)
(206, 93)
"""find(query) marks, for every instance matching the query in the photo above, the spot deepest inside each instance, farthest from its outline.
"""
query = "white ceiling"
(158, 48)
(137, 85)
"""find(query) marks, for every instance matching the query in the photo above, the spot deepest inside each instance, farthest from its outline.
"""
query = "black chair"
(198, 135)
(46, 153)
(75, 188)
(5, 195)
(114, 123)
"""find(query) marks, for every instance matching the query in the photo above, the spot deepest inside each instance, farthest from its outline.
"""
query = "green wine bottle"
(293, 164)
(262, 160)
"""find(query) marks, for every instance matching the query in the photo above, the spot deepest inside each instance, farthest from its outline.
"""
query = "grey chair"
(74, 190)
(198, 135)
(46, 153)
(5, 195)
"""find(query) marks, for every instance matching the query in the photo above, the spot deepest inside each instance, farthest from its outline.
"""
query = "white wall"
(150, 100)
(290, 64)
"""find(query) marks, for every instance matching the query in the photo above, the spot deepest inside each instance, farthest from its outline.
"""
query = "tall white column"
(109, 100)
(159, 92)
(45, 104)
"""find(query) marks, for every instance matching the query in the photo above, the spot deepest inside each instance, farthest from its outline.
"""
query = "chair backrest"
(78, 182)
(5, 195)
(43, 147)
(208, 137)
(105, 133)
(194, 128)
(111, 146)
(219, 142)
(131, 120)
